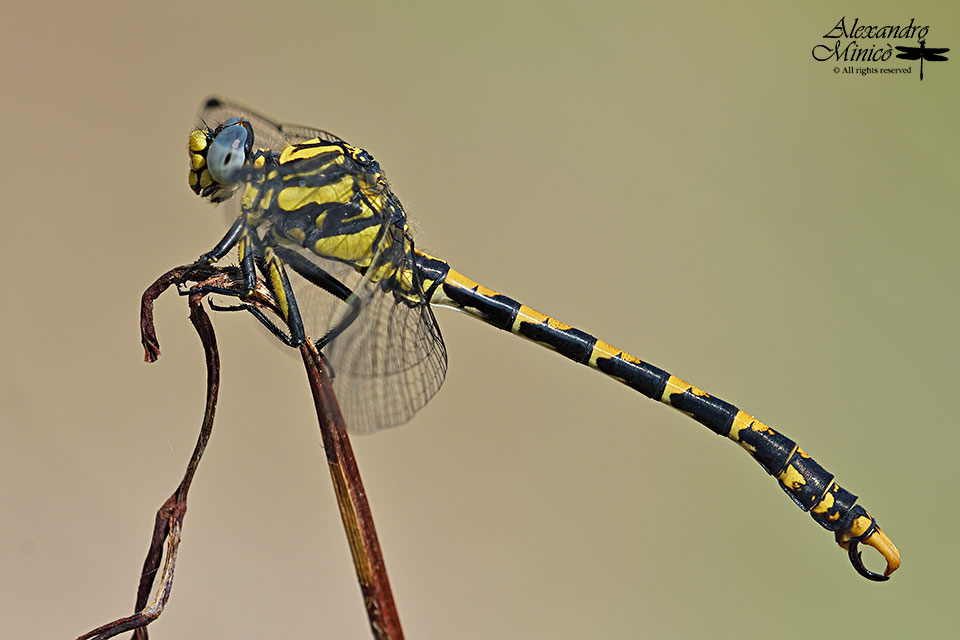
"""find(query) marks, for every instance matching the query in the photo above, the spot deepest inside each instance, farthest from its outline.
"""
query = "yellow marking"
(826, 502)
(482, 290)
(266, 199)
(198, 140)
(205, 179)
(196, 160)
(294, 153)
(382, 272)
(532, 316)
(603, 350)
(292, 198)
(296, 234)
(259, 162)
(857, 528)
(675, 385)
(365, 212)
(405, 279)
(460, 281)
(192, 179)
(273, 174)
(457, 279)
(250, 194)
(377, 199)
(350, 247)
(606, 350)
(744, 420)
(791, 478)
(276, 282)
(242, 248)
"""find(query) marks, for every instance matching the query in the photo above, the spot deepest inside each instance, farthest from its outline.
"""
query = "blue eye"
(228, 153)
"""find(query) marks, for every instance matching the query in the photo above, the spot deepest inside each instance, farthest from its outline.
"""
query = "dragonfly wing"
(391, 359)
(267, 133)
(300, 133)
(319, 309)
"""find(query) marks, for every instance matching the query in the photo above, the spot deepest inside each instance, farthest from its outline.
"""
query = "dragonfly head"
(218, 158)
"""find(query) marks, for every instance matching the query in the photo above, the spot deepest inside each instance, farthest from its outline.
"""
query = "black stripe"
(713, 413)
(816, 478)
(835, 518)
(771, 449)
(645, 378)
(433, 269)
(498, 310)
(572, 343)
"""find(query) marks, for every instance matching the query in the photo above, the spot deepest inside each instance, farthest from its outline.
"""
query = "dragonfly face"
(218, 158)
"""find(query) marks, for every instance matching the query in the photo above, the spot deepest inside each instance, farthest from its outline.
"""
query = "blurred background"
(683, 179)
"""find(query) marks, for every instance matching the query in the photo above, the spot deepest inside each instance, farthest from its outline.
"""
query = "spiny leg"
(279, 284)
(240, 236)
(318, 276)
(313, 273)
(271, 326)
(253, 257)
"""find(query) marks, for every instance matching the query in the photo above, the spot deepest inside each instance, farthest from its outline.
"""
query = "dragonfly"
(922, 53)
(315, 218)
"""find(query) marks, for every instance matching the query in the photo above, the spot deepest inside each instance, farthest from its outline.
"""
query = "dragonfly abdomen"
(809, 485)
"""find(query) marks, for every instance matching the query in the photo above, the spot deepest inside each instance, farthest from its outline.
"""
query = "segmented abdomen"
(810, 486)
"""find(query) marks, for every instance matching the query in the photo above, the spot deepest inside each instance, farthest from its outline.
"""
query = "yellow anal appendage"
(879, 541)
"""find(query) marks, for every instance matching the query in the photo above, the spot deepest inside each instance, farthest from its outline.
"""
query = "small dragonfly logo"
(922, 53)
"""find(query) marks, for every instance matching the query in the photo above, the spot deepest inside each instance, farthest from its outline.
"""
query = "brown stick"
(169, 519)
(352, 500)
(348, 487)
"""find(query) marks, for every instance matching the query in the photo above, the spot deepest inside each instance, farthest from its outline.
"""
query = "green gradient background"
(685, 181)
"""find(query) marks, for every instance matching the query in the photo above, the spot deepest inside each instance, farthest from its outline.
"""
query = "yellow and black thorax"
(326, 196)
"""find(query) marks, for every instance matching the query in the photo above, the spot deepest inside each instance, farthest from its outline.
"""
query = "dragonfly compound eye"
(228, 153)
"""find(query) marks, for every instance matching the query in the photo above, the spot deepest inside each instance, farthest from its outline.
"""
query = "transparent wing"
(319, 309)
(390, 361)
(267, 133)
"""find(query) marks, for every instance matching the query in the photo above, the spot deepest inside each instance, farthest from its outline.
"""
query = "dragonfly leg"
(313, 273)
(271, 326)
(245, 240)
(318, 276)
(227, 242)
(272, 268)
